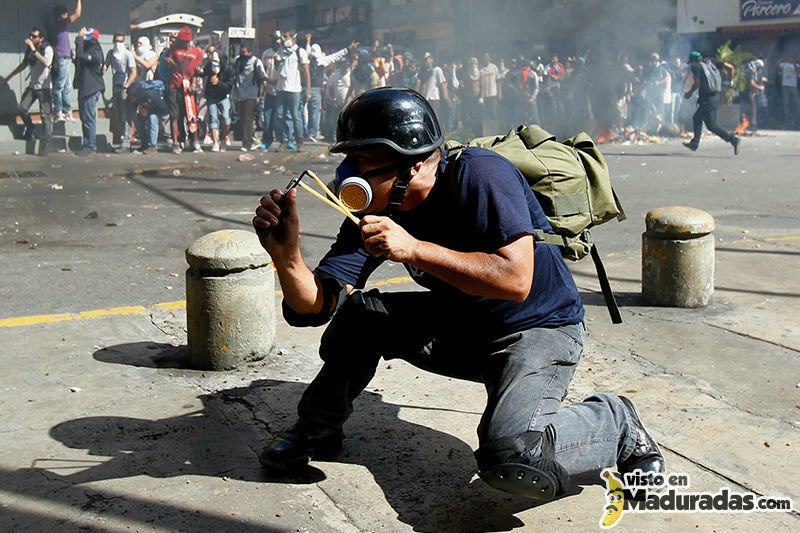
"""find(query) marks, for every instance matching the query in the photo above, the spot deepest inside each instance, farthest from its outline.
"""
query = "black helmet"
(398, 118)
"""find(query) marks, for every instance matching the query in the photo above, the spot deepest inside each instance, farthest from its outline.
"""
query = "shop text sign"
(768, 9)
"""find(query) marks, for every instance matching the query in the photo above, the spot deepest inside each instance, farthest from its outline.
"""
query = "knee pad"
(525, 465)
(356, 328)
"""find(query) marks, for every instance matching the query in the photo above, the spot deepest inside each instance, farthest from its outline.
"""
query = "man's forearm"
(300, 286)
(489, 275)
(131, 78)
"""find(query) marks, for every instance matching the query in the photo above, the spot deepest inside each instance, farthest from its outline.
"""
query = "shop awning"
(793, 27)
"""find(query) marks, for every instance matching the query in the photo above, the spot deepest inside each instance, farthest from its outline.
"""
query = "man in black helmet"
(464, 231)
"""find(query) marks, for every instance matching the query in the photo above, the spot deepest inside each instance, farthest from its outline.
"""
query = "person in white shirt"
(337, 85)
(318, 62)
(293, 78)
(491, 91)
(433, 86)
(788, 69)
(39, 58)
(123, 74)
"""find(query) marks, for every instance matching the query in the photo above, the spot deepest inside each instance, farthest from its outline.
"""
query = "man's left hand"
(383, 237)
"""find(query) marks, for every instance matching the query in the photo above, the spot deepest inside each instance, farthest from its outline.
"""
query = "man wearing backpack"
(38, 58)
(249, 77)
(707, 81)
(465, 232)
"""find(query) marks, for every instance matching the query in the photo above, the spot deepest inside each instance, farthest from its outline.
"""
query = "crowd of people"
(292, 92)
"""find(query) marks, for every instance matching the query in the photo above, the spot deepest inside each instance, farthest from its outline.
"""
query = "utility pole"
(248, 13)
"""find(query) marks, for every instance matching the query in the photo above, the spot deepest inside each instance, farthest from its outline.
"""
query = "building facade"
(769, 28)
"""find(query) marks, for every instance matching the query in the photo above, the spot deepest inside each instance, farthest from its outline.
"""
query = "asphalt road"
(100, 233)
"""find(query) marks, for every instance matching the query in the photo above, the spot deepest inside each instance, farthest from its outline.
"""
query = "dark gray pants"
(123, 115)
(247, 113)
(29, 96)
(707, 112)
(526, 375)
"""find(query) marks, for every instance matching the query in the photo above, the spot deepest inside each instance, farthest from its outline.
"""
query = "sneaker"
(292, 449)
(227, 141)
(83, 152)
(290, 145)
(69, 116)
(176, 149)
(149, 150)
(265, 146)
(207, 140)
(60, 117)
(196, 148)
(215, 147)
(646, 455)
(244, 148)
(312, 139)
(736, 142)
(690, 146)
(122, 150)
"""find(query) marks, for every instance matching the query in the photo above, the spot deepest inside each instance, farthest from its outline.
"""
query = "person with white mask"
(146, 59)
(123, 74)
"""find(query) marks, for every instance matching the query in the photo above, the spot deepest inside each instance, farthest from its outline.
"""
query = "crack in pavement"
(746, 335)
(693, 382)
(719, 474)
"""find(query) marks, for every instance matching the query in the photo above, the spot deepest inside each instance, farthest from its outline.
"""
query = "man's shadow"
(426, 476)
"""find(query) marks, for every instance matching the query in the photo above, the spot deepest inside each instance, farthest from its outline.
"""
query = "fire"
(743, 125)
(605, 135)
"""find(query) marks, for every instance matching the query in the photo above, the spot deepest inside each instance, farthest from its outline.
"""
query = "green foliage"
(739, 59)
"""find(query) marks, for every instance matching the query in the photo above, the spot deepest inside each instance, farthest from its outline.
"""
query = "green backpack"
(573, 186)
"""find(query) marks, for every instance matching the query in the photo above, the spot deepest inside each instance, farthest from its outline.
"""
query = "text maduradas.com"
(722, 501)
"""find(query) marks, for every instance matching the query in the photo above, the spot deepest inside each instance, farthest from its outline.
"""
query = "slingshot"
(332, 200)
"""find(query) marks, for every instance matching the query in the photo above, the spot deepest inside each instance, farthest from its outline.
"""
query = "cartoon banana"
(616, 500)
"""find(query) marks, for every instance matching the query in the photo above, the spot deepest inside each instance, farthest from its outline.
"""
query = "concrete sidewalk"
(106, 430)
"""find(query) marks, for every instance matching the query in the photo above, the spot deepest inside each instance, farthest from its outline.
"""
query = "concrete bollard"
(678, 257)
(230, 300)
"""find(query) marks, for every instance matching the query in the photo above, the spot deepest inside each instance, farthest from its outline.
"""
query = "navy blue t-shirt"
(480, 206)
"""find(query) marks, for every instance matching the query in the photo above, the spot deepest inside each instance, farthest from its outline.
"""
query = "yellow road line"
(789, 238)
(767, 239)
(132, 310)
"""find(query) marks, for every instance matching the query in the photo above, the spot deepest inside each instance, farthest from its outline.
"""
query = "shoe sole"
(523, 480)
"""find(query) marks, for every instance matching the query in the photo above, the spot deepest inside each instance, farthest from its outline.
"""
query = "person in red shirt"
(184, 62)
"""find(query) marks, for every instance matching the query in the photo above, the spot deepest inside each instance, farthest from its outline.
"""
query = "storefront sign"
(768, 9)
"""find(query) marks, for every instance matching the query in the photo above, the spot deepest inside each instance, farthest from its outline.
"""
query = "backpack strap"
(605, 286)
(608, 295)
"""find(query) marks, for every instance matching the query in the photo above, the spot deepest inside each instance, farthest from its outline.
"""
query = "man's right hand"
(283, 222)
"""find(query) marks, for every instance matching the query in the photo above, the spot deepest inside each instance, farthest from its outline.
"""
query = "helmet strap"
(399, 189)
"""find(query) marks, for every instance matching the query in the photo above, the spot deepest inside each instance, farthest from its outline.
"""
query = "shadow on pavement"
(41, 486)
(426, 476)
(144, 354)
